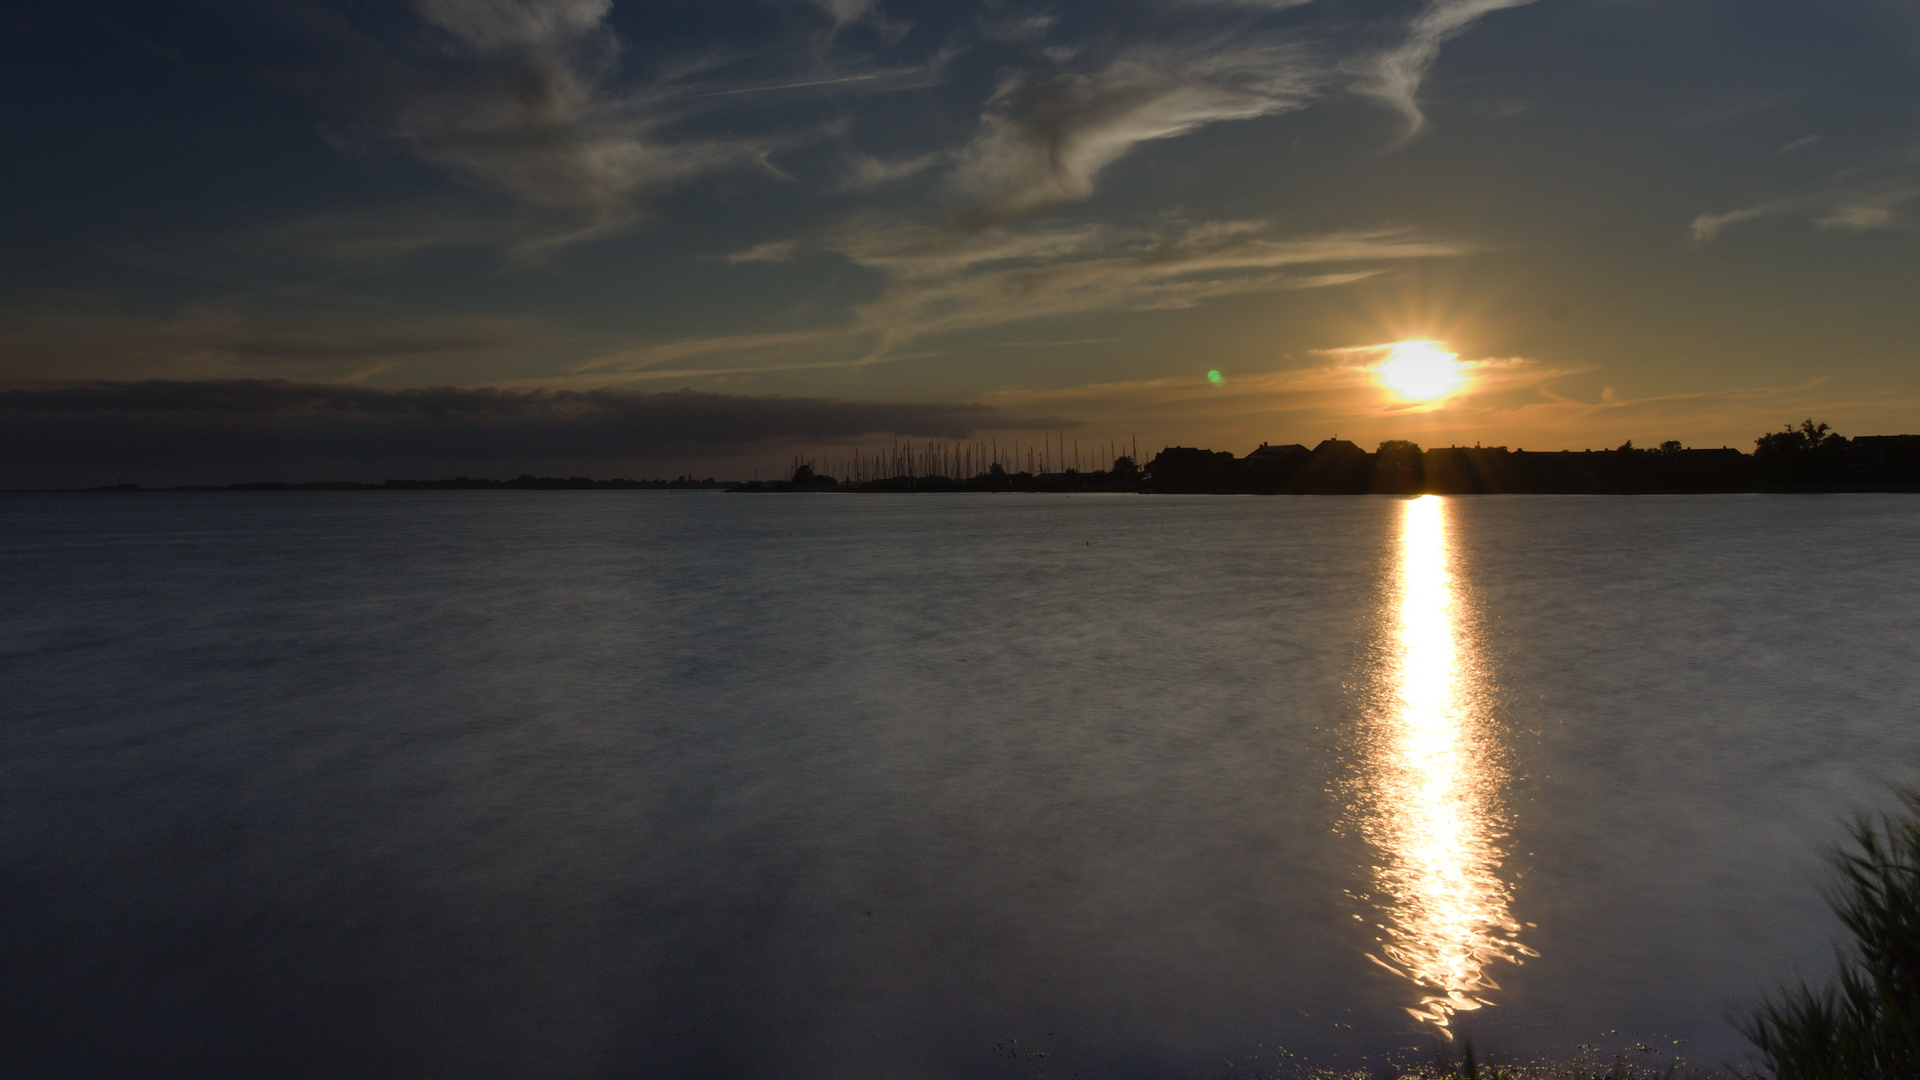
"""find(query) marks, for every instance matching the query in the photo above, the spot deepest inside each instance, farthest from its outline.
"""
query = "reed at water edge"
(1864, 1024)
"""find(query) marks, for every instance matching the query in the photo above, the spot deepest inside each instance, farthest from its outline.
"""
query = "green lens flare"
(1216, 378)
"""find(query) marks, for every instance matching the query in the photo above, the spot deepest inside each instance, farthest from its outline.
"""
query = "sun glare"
(1421, 371)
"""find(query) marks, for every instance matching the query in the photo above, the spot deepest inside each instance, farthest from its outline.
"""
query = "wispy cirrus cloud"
(1707, 227)
(946, 279)
(1874, 211)
(495, 25)
(523, 102)
(528, 99)
(1053, 125)
(1395, 74)
(943, 280)
(1858, 211)
(1271, 5)
(866, 171)
(843, 12)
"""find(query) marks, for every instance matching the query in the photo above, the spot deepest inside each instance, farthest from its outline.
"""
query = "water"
(648, 784)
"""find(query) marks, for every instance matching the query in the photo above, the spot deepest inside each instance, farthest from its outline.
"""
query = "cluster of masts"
(963, 460)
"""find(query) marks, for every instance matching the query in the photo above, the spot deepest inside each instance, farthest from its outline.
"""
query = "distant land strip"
(1810, 458)
(1888, 463)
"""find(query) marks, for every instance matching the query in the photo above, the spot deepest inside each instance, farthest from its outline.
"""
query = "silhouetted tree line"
(1810, 457)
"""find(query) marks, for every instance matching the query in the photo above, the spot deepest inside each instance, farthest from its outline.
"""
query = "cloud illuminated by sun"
(1421, 371)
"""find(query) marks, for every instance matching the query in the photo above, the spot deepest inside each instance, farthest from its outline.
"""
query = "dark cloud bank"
(165, 432)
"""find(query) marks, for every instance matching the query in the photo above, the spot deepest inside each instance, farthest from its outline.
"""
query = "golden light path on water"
(1430, 789)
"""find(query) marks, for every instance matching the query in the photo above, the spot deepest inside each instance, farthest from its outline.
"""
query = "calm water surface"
(676, 785)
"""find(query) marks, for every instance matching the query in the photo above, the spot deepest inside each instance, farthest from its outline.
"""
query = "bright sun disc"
(1421, 371)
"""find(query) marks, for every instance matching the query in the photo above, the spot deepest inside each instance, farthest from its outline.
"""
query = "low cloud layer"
(239, 430)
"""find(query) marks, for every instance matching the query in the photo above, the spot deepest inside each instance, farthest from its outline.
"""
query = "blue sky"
(833, 223)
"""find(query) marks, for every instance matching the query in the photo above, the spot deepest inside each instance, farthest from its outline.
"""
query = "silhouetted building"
(1268, 469)
(1335, 467)
(1187, 468)
(1265, 454)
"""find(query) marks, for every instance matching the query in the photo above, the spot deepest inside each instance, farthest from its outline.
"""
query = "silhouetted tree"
(803, 476)
(1398, 467)
(1671, 447)
(1808, 445)
(1125, 469)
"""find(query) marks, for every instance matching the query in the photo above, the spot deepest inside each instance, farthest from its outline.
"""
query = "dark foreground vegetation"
(1862, 1025)
(1865, 1024)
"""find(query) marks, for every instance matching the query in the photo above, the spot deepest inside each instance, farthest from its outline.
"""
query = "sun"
(1421, 371)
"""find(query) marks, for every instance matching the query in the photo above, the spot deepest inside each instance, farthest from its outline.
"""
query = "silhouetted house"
(1711, 469)
(1335, 467)
(1264, 454)
(1468, 470)
(1885, 458)
(1186, 468)
(1268, 468)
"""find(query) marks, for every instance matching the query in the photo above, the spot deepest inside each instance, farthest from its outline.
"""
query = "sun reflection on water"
(1429, 796)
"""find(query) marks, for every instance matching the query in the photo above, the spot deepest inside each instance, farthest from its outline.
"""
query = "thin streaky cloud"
(836, 81)
(1051, 127)
(498, 25)
(1270, 5)
(951, 280)
(1033, 275)
(1394, 76)
(525, 101)
(1871, 212)
(866, 171)
(918, 76)
(640, 359)
(1707, 227)
(1858, 212)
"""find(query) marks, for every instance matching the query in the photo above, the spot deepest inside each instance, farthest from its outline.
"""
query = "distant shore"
(1808, 460)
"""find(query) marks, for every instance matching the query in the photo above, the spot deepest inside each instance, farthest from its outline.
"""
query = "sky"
(300, 239)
